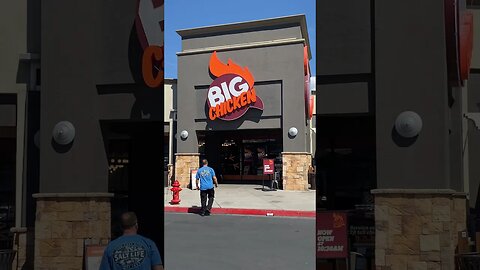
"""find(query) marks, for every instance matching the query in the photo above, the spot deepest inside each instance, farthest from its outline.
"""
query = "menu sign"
(268, 166)
(332, 239)
(93, 256)
(193, 178)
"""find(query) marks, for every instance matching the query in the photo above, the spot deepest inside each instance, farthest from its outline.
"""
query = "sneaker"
(207, 213)
(202, 214)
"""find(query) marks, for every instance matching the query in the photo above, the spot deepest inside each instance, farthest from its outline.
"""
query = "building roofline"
(292, 19)
(170, 80)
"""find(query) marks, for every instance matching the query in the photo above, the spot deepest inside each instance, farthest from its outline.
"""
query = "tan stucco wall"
(13, 26)
(168, 100)
(13, 42)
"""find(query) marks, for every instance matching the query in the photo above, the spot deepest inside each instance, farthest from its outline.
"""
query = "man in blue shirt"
(205, 180)
(131, 251)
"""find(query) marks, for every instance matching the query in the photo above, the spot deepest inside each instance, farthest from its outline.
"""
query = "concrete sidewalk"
(247, 197)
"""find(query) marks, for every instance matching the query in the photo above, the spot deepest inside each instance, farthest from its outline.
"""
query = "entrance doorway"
(7, 187)
(346, 174)
(8, 157)
(346, 162)
(135, 158)
(237, 156)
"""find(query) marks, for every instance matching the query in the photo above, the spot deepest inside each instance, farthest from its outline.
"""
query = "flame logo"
(233, 107)
(338, 221)
(218, 69)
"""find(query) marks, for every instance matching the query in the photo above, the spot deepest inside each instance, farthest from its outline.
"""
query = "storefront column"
(63, 222)
(295, 170)
(184, 163)
(417, 228)
(23, 245)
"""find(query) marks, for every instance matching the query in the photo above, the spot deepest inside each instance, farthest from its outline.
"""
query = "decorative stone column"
(184, 163)
(23, 244)
(63, 222)
(417, 228)
(170, 175)
(295, 170)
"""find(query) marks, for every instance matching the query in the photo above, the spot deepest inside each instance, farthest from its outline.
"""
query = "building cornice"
(243, 46)
(250, 25)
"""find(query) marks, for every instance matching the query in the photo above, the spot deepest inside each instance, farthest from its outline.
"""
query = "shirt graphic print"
(205, 174)
(130, 252)
(129, 255)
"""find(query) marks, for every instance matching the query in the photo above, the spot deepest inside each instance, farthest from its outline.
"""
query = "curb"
(241, 211)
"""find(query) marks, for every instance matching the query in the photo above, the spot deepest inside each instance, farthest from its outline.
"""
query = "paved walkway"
(229, 196)
(229, 242)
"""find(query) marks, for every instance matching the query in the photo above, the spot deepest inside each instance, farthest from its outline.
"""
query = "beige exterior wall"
(169, 88)
(168, 99)
(13, 26)
(13, 43)
(476, 39)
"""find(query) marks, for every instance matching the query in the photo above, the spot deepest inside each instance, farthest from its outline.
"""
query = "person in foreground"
(131, 251)
(206, 178)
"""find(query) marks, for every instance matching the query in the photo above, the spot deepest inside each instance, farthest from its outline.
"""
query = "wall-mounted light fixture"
(293, 131)
(408, 124)
(63, 132)
(184, 134)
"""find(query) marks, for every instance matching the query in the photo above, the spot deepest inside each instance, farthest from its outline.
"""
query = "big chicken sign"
(232, 93)
(149, 24)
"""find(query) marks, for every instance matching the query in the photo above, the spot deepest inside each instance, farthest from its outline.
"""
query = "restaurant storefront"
(238, 156)
(396, 143)
(244, 96)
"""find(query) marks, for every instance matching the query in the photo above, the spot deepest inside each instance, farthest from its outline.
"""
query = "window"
(473, 3)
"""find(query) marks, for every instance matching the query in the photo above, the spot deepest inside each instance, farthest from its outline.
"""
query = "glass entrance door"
(7, 188)
(237, 157)
(254, 151)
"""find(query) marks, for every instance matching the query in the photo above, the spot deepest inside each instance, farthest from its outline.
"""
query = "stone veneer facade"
(23, 245)
(417, 229)
(295, 170)
(63, 222)
(184, 162)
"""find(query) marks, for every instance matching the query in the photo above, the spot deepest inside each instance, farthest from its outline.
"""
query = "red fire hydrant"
(176, 192)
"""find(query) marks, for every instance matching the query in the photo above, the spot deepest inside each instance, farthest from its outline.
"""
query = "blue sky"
(181, 14)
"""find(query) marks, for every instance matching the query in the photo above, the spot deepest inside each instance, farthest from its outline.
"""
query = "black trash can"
(6, 259)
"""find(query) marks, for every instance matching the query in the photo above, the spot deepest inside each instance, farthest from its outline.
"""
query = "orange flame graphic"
(218, 69)
(338, 221)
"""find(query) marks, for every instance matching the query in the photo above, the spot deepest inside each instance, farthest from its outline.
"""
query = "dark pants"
(203, 197)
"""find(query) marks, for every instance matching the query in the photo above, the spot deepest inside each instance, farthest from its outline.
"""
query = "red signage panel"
(268, 166)
(308, 109)
(466, 45)
(149, 24)
(332, 238)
